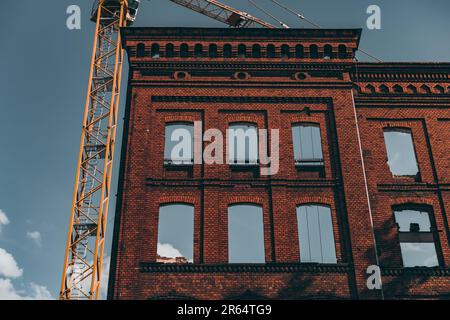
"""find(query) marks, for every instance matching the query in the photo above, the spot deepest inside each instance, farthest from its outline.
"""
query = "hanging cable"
(284, 25)
(299, 15)
(302, 17)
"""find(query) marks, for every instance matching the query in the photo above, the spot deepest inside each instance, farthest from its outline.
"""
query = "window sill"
(155, 267)
(316, 166)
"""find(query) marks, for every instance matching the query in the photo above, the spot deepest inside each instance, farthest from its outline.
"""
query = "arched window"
(212, 50)
(285, 51)
(307, 144)
(245, 234)
(370, 88)
(256, 51)
(342, 52)
(227, 51)
(384, 89)
(176, 233)
(270, 51)
(243, 143)
(179, 144)
(170, 50)
(416, 236)
(315, 234)
(328, 51)
(400, 151)
(299, 51)
(398, 89)
(242, 51)
(155, 51)
(425, 89)
(411, 89)
(198, 50)
(313, 51)
(184, 50)
(140, 50)
(439, 89)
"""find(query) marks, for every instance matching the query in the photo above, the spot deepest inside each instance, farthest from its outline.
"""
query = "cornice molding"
(418, 271)
(240, 99)
(155, 267)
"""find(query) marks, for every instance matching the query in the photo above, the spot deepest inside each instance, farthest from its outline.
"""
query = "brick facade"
(351, 103)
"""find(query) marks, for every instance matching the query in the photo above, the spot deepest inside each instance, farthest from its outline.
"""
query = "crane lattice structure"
(87, 227)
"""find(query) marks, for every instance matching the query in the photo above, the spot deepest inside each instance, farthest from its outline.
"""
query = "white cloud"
(36, 292)
(10, 270)
(35, 236)
(3, 219)
(8, 265)
(168, 251)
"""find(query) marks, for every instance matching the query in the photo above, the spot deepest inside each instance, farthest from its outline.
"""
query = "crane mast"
(89, 211)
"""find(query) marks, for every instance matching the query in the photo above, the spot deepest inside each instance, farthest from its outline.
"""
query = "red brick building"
(377, 192)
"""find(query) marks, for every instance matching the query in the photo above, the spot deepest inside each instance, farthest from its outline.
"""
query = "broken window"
(316, 238)
(155, 51)
(313, 51)
(256, 51)
(184, 50)
(213, 50)
(245, 234)
(307, 145)
(342, 51)
(140, 50)
(198, 50)
(179, 143)
(328, 51)
(227, 51)
(176, 233)
(242, 51)
(416, 238)
(170, 50)
(400, 150)
(243, 143)
(270, 51)
(285, 51)
(299, 51)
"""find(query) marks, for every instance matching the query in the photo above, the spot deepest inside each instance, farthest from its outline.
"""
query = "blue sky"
(44, 68)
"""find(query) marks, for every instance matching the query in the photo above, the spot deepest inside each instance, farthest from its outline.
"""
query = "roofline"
(242, 32)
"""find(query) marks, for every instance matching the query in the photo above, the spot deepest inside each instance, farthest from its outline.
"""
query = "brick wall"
(275, 94)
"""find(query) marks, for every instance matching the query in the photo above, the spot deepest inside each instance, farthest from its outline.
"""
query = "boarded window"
(245, 234)
(316, 238)
(176, 233)
(416, 238)
(400, 151)
(307, 144)
(179, 143)
(243, 143)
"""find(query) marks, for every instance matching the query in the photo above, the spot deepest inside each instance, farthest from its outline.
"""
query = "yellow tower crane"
(88, 218)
